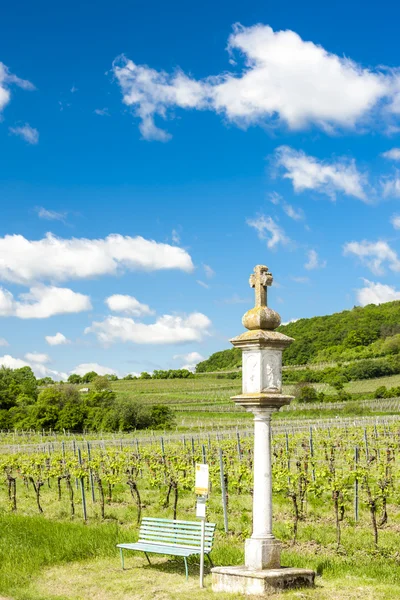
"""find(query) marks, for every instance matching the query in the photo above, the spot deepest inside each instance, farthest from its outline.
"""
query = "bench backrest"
(181, 533)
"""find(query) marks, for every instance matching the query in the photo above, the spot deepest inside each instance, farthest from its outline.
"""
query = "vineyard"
(355, 470)
(336, 488)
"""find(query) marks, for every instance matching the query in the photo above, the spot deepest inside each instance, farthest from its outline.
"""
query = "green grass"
(29, 544)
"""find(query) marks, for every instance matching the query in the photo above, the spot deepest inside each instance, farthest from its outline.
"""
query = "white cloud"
(50, 215)
(263, 224)
(309, 173)
(284, 78)
(84, 368)
(128, 305)
(391, 186)
(39, 369)
(56, 340)
(395, 221)
(274, 198)
(209, 272)
(374, 255)
(376, 293)
(293, 213)
(167, 329)
(24, 261)
(189, 360)
(393, 154)
(102, 112)
(3, 342)
(190, 357)
(36, 357)
(313, 261)
(27, 133)
(7, 79)
(203, 284)
(42, 302)
(175, 237)
(290, 321)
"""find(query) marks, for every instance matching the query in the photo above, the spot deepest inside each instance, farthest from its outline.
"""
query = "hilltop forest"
(361, 333)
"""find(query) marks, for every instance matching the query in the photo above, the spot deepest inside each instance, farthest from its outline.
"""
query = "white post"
(203, 530)
(262, 495)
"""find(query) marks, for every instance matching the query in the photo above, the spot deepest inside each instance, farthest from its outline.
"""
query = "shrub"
(307, 394)
(380, 392)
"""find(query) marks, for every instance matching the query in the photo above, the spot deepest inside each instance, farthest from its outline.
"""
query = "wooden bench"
(176, 538)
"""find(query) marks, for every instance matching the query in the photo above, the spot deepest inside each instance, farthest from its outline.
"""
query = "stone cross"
(260, 279)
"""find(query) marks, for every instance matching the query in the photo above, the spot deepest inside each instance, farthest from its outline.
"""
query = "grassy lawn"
(47, 560)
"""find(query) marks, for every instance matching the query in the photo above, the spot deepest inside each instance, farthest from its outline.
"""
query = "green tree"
(145, 375)
(74, 378)
(88, 377)
(101, 383)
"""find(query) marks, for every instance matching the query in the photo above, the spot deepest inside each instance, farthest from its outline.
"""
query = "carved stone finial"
(261, 317)
(259, 280)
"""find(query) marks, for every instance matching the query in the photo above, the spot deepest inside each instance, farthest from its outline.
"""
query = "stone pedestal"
(241, 580)
(262, 349)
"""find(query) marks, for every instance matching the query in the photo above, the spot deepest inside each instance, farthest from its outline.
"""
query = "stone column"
(262, 348)
(262, 395)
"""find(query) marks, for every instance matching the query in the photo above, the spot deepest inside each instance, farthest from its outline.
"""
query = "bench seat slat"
(172, 521)
(172, 526)
(162, 549)
(160, 526)
(175, 536)
(194, 532)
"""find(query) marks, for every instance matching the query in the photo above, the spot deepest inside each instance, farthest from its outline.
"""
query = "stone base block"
(261, 553)
(241, 580)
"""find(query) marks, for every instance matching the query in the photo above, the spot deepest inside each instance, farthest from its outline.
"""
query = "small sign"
(202, 480)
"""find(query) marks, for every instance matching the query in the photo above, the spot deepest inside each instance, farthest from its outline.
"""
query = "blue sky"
(152, 154)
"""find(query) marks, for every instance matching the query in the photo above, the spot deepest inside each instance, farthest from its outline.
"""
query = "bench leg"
(122, 558)
(148, 560)
(209, 558)
(186, 568)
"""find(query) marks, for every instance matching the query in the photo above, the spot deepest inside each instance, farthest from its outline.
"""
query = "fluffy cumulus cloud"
(393, 154)
(27, 133)
(281, 78)
(189, 360)
(39, 368)
(376, 293)
(167, 329)
(84, 368)
(23, 261)
(375, 255)
(268, 229)
(7, 80)
(313, 261)
(129, 305)
(308, 173)
(42, 302)
(57, 340)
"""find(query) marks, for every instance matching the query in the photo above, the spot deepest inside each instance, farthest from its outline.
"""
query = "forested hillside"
(366, 332)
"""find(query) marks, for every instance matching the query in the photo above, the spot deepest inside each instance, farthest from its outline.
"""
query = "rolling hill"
(363, 332)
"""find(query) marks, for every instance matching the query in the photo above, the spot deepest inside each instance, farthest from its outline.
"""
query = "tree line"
(23, 405)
